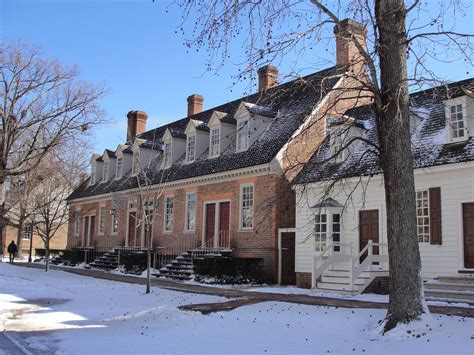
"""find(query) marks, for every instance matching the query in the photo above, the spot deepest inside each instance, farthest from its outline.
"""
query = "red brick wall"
(303, 279)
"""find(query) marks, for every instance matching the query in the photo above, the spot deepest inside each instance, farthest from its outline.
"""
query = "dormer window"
(105, 173)
(338, 152)
(457, 123)
(167, 155)
(242, 135)
(214, 143)
(118, 171)
(93, 174)
(190, 149)
(136, 163)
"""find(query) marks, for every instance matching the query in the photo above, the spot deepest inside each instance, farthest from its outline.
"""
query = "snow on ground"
(71, 314)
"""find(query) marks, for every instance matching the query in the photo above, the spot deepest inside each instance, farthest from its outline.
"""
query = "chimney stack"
(83, 177)
(195, 104)
(267, 77)
(347, 53)
(136, 124)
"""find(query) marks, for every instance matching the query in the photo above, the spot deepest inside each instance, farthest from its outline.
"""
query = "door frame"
(216, 220)
(130, 209)
(461, 234)
(86, 237)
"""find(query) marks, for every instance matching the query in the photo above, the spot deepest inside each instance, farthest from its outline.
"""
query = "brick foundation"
(303, 279)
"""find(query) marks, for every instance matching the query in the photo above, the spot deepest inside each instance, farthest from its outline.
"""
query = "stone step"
(450, 300)
(176, 271)
(465, 278)
(449, 286)
(467, 295)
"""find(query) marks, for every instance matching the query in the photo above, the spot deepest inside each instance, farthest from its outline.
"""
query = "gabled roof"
(429, 141)
(293, 101)
(110, 153)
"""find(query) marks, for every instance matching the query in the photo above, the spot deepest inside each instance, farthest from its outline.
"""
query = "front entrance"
(89, 228)
(368, 230)
(288, 274)
(468, 227)
(217, 224)
(132, 229)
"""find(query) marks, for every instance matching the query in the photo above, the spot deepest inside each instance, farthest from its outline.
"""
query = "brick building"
(219, 177)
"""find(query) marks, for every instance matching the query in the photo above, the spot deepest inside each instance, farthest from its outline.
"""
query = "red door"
(92, 231)
(224, 224)
(468, 227)
(210, 224)
(368, 230)
(132, 228)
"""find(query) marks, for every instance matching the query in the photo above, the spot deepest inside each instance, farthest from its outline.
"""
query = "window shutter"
(435, 215)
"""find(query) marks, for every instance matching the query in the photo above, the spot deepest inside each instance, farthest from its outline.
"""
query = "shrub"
(228, 270)
(72, 257)
(133, 263)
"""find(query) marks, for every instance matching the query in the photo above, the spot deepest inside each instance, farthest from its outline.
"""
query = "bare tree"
(268, 30)
(42, 103)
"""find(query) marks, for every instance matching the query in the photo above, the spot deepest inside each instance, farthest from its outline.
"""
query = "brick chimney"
(83, 177)
(346, 50)
(195, 104)
(136, 124)
(267, 77)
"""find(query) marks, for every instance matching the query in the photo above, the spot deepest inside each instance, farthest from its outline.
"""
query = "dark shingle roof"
(293, 101)
(110, 153)
(429, 139)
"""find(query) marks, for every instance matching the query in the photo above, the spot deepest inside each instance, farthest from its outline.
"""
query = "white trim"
(185, 229)
(188, 138)
(217, 204)
(461, 234)
(101, 208)
(241, 187)
(447, 110)
(165, 200)
(232, 175)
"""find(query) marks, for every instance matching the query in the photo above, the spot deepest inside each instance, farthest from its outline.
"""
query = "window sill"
(245, 230)
(189, 232)
(168, 232)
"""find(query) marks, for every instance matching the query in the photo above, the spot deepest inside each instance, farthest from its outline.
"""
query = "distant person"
(12, 250)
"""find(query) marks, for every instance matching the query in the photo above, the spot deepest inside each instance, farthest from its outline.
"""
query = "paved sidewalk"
(256, 296)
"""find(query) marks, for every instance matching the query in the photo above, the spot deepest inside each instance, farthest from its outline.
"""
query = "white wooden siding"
(457, 186)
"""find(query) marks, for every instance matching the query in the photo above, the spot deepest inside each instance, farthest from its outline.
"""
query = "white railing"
(210, 247)
(329, 256)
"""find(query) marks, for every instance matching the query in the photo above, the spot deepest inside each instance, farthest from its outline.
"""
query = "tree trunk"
(148, 273)
(46, 244)
(406, 298)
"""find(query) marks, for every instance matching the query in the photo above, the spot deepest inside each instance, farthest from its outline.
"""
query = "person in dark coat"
(12, 250)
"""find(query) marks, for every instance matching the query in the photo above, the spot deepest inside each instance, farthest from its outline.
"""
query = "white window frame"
(77, 223)
(214, 142)
(168, 214)
(243, 135)
(119, 167)
(188, 227)
(101, 224)
(136, 163)
(26, 227)
(105, 171)
(114, 222)
(190, 148)
(338, 138)
(449, 104)
(423, 229)
(167, 154)
(321, 230)
(241, 207)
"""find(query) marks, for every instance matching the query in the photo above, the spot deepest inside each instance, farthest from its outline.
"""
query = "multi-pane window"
(77, 222)
(242, 135)
(167, 154)
(169, 213)
(339, 153)
(423, 215)
(118, 173)
(93, 173)
(457, 122)
(320, 232)
(246, 207)
(136, 163)
(215, 138)
(190, 149)
(101, 220)
(114, 222)
(26, 231)
(105, 171)
(336, 229)
(190, 211)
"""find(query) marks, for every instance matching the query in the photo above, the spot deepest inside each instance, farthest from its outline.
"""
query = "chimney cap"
(351, 26)
(137, 113)
(267, 69)
(195, 97)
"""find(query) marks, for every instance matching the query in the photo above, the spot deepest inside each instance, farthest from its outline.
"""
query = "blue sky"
(133, 47)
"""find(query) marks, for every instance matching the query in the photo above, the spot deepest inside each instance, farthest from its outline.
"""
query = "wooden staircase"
(451, 289)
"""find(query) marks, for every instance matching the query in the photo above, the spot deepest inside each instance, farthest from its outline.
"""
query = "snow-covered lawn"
(66, 313)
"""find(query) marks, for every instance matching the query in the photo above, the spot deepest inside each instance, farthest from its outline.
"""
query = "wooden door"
(288, 274)
(210, 224)
(91, 238)
(224, 224)
(368, 230)
(468, 228)
(132, 228)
